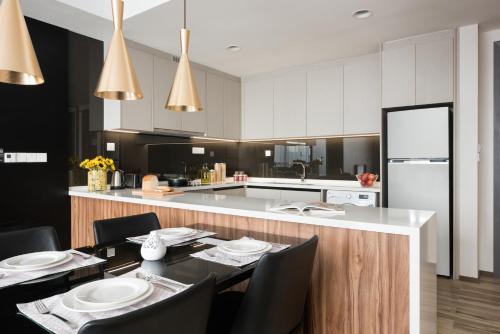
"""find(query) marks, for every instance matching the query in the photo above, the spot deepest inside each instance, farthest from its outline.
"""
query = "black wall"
(37, 119)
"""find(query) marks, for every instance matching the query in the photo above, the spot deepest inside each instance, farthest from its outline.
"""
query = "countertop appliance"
(419, 168)
(118, 180)
(357, 198)
(133, 181)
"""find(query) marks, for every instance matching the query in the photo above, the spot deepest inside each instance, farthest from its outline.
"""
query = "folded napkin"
(15, 277)
(55, 325)
(172, 242)
(214, 255)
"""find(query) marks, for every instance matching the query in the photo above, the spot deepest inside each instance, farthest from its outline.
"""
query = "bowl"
(367, 180)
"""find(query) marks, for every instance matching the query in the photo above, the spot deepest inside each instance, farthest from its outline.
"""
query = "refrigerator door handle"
(419, 161)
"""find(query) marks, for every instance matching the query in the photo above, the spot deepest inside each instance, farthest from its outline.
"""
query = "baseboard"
(468, 279)
(473, 279)
(486, 273)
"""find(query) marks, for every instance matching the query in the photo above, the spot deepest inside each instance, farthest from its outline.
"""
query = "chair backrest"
(186, 313)
(275, 298)
(119, 229)
(36, 239)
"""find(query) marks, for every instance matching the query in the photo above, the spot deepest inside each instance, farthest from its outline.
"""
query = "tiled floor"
(469, 307)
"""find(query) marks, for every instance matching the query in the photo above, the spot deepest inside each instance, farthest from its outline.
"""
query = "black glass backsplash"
(333, 158)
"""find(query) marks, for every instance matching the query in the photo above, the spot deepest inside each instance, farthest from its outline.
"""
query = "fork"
(82, 255)
(43, 309)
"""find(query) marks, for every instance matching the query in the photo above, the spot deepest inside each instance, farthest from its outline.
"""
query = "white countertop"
(396, 221)
(288, 183)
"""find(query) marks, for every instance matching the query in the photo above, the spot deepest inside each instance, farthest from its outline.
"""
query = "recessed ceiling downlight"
(233, 48)
(362, 14)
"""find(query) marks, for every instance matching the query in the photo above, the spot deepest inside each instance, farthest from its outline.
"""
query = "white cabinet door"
(258, 108)
(325, 101)
(398, 76)
(263, 193)
(290, 107)
(164, 77)
(138, 115)
(232, 109)
(215, 106)
(300, 196)
(197, 121)
(362, 106)
(435, 71)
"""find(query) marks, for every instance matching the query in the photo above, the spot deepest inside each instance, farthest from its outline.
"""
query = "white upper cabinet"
(290, 116)
(398, 76)
(325, 101)
(435, 71)
(232, 109)
(137, 115)
(197, 121)
(362, 105)
(215, 106)
(258, 108)
(164, 119)
(419, 70)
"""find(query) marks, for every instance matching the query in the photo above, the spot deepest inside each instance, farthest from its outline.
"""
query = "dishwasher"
(356, 198)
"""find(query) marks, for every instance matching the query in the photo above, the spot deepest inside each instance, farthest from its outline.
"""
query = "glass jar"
(97, 180)
(205, 174)
(212, 176)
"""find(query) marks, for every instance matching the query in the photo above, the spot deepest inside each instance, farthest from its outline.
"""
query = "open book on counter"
(311, 209)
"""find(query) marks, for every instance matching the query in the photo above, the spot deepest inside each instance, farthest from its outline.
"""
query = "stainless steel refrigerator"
(419, 168)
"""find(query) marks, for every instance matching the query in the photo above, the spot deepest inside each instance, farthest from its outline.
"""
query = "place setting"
(237, 253)
(30, 266)
(174, 236)
(66, 313)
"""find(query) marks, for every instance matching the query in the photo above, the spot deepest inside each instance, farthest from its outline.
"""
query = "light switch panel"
(198, 150)
(110, 147)
(22, 157)
(30, 157)
(268, 153)
(10, 157)
(41, 157)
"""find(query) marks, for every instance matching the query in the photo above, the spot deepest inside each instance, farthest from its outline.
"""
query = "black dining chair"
(184, 313)
(275, 298)
(29, 240)
(119, 229)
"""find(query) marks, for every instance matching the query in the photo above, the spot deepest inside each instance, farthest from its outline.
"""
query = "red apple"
(371, 177)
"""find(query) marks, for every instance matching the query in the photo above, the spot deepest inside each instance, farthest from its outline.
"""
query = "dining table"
(125, 256)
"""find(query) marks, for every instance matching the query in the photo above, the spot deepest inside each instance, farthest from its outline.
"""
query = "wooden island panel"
(360, 280)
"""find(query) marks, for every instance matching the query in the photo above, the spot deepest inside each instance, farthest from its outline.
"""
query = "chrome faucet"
(303, 175)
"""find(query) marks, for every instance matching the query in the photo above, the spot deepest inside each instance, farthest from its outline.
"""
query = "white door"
(424, 187)
(398, 77)
(196, 121)
(362, 103)
(215, 106)
(232, 109)
(164, 77)
(325, 101)
(290, 116)
(258, 108)
(418, 133)
(138, 114)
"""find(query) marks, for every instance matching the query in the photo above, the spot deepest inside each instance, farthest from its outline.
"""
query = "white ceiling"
(273, 34)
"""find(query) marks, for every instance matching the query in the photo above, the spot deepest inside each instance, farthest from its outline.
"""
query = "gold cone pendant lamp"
(118, 79)
(184, 95)
(18, 63)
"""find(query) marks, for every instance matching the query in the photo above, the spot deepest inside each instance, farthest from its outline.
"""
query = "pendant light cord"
(184, 14)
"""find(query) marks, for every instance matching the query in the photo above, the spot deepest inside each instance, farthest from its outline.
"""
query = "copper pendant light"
(184, 95)
(118, 79)
(18, 62)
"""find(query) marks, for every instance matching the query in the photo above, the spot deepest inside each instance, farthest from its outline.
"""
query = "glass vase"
(97, 180)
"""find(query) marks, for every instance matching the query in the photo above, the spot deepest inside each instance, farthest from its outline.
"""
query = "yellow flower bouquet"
(97, 175)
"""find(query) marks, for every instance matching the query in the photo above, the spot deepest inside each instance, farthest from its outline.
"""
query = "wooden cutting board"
(158, 193)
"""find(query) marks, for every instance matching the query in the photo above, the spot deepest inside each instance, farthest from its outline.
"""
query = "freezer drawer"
(419, 133)
(423, 186)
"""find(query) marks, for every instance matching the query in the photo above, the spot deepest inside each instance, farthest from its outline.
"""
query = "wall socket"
(198, 150)
(22, 157)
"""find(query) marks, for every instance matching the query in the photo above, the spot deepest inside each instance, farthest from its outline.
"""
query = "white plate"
(245, 247)
(71, 303)
(176, 232)
(35, 261)
(111, 291)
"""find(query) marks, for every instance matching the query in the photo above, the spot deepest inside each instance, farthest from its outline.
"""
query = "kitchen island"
(374, 270)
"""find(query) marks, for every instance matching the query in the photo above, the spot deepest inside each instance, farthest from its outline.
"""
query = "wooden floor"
(469, 307)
